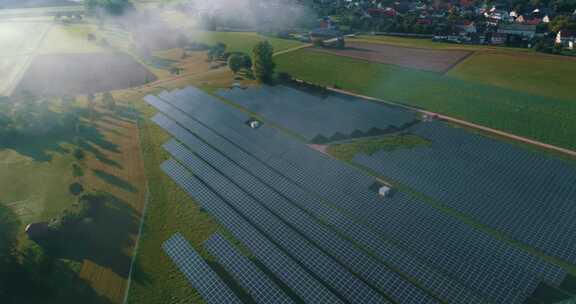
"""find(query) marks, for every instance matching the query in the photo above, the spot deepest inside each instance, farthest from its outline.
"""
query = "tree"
(79, 154)
(562, 23)
(235, 63)
(263, 63)
(76, 188)
(247, 64)
(217, 51)
(108, 101)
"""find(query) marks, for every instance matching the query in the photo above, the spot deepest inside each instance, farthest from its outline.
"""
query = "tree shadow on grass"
(31, 276)
(35, 130)
(115, 180)
(82, 144)
(103, 239)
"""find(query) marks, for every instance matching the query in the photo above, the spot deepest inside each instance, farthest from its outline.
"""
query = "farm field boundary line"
(464, 123)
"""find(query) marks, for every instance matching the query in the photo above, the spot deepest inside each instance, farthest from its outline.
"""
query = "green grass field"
(538, 74)
(72, 38)
(242, 42)
(347, 150)
(547, 119)
(170, 210)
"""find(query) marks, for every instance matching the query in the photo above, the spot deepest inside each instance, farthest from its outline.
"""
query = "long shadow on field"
(115, 181)
(30, 275)
(88, 147)
(33, 128)
(102, 239)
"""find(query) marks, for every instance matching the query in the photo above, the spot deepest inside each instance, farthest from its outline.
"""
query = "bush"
(79, 154)
(285, 77)
(77, 171)
(76, 188)
(235, 63)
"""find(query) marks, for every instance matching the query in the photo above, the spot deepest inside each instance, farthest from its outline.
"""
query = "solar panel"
(301, 249)
(347, 190)
(387, 252)
(314, 116)
(344, 251)
(252, 279)
(203, 279)
(292, 274)
(484, 173)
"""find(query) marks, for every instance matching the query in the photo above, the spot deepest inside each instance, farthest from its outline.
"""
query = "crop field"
(422, 59)
(427, 43)
(71, 38)
(83, 74)
(19, 41)
(544, 118)
(241, 41)
(538, 74)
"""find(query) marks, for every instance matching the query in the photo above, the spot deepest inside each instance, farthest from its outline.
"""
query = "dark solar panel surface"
(201, 276)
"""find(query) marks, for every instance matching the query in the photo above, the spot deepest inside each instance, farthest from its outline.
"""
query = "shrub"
(79, 154)
(76, 188)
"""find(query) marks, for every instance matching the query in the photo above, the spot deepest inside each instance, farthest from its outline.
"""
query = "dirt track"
(75, 74)
(422, 59)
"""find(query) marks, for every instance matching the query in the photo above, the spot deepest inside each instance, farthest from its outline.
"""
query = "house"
(566, 38)
(520, 35)
(518, 30)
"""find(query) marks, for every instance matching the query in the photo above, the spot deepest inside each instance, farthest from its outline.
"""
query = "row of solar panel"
(312, 116)
(197, 271)
(527, 195)
(219, 125)
(278, 262)
(439, 284)
(299, 247)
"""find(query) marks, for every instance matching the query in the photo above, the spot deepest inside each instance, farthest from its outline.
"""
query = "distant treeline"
(114, 7)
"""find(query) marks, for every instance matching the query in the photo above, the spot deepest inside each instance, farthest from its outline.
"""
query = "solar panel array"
(343, 250)
(301, 249)
(258, 285)
(527, 195)
(314, 117)
(201, 276)
(359, 234)
(452, 260)
(292, 274)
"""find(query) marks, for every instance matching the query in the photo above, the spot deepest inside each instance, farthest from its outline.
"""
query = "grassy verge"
(347, 150)
(155, 278)
(541, 118)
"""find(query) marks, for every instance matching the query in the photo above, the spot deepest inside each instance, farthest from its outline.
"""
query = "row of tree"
(113, 7)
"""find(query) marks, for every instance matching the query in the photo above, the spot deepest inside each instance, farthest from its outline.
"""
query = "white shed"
(384, 191)
(254, 124)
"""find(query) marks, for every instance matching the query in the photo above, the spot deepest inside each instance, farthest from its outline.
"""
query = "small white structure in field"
(384, 191)
(254, 124)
